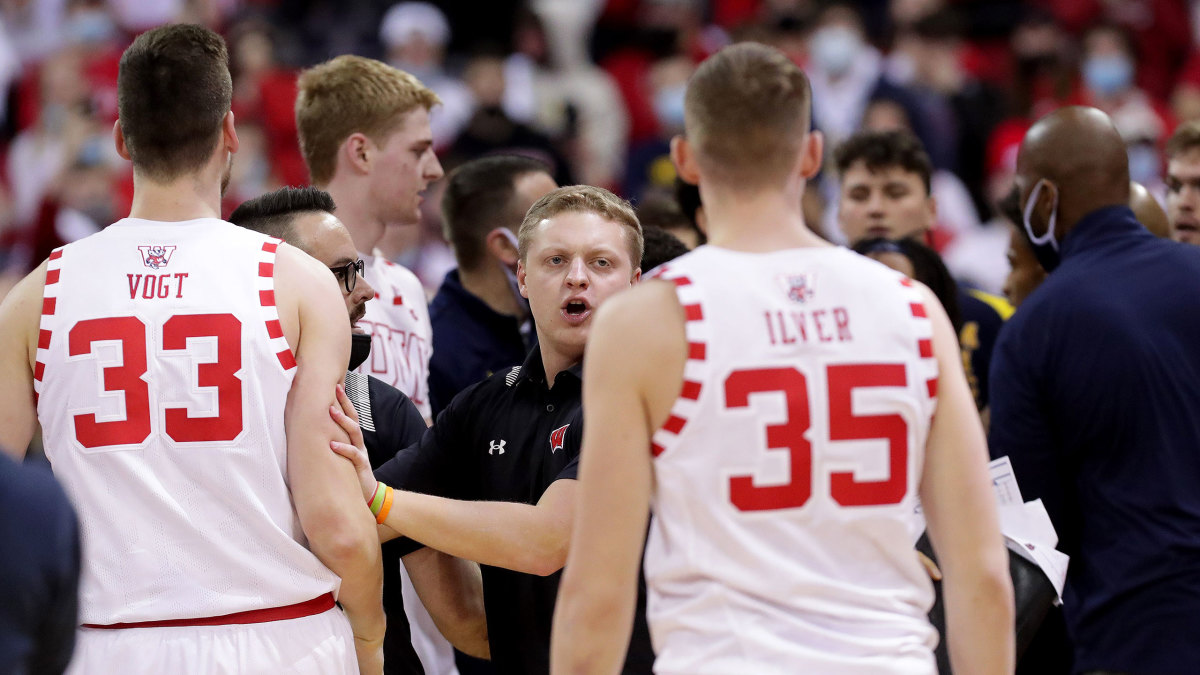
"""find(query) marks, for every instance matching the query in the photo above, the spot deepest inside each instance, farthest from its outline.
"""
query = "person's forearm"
(356, 559)
(979, 618)
(452, 591)
(519, 537)
(592, 625)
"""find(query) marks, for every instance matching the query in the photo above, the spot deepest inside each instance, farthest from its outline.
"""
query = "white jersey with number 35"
(787, 473)
(162, 374)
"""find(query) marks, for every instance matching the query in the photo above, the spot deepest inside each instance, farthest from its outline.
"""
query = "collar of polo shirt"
(534, 371)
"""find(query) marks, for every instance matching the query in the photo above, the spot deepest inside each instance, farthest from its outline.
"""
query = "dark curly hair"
(882, 150)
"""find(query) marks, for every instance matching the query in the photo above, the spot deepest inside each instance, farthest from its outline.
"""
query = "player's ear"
(500, 247)
(119, 140)
(229, 133)
(356, 150)
(521, 279)
(684, 157)
(637, 276)
(811, 154)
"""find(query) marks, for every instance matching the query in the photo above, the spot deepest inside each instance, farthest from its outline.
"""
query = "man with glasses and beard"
(449, 587)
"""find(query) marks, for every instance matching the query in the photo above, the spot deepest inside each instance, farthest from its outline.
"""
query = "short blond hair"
(747, 112)
(583, 199)
(351, 94)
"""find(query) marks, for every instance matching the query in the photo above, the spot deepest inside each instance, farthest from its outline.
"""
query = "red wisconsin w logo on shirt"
(557, 437)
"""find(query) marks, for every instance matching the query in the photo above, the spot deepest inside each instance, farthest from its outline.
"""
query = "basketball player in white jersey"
(181, 369)
(364, 132)
(780, 404)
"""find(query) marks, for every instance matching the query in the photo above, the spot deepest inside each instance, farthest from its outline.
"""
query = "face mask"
(360, 349)
(1045, 247)
(834, 49)
(89, 27)
(1108, 75)
(668, 106)
(1144, 164)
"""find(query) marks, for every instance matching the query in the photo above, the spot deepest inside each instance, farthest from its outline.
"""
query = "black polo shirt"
(471, 341)
(507, 439)
(389, 420)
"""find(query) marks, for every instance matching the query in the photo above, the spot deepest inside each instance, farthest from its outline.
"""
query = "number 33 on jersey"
(182, 345)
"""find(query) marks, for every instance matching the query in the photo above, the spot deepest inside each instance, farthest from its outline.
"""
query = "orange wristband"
(387, 506)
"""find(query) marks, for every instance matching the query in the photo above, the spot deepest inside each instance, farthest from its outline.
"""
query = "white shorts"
(321, 644)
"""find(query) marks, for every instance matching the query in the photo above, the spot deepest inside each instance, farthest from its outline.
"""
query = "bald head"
(1148, 211)
(1078, 151)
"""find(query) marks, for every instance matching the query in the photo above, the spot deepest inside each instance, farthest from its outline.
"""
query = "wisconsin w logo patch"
(557, 437)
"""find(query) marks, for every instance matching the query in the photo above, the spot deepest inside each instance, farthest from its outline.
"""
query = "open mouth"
(576, 310)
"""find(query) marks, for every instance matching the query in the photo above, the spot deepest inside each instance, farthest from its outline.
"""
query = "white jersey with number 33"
(787, 473)
(162, 374)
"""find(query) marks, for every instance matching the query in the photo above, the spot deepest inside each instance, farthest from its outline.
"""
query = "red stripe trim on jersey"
(274, 329)
(48, 306)
(691, 390)
(266, 298)
(674, 424)
(266, 269)
(656, 449)
(693, 312)
(270, 246)
(56, 254)
(918, 310)
(681, 281)
(52, 276)
(697, 351)
(906, 282)
(287, 359)
(43, 339)
(397, 300)
(299, 610)
(932, 385)
(39, 369)
(926, 347)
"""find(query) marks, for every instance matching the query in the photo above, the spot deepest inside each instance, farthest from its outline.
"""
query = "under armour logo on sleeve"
(496, 447)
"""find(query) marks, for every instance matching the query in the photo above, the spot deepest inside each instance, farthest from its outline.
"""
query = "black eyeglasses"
(348, 274)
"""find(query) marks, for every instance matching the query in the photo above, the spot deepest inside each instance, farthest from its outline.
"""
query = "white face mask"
(834, 49)
(1045, 247)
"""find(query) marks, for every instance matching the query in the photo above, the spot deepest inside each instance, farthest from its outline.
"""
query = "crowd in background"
(595, 88)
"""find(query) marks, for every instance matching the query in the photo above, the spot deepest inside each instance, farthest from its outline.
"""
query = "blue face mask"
(1108, 75)
(668, 106)
(834, 49)
(1144, 164)
(1045, 247)
(89, 27)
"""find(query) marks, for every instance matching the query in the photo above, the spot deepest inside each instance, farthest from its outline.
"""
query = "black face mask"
(360, 349)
